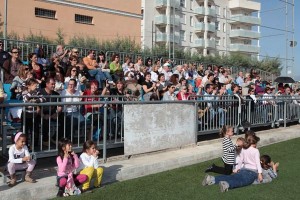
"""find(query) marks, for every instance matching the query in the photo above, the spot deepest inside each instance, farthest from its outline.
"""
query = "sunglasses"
(75, 52)
(26, 69)
(173, 87)
(74, 70)
(15, 52)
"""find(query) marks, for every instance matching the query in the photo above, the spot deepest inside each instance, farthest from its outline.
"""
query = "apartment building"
(208, 27)
(101, 19)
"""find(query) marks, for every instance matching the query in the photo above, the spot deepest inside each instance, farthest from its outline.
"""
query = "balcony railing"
(244, 48)
(201, 43)
(200, 26)
(245, 19)
(205, 11)
(247, 4)
(163, 20)
(244, 34)
(163, 37)
(164, 3)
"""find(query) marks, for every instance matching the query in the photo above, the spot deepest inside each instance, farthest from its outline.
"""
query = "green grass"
(185, 183)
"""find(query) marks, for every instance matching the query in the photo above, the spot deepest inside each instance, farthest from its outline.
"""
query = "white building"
(208, 27)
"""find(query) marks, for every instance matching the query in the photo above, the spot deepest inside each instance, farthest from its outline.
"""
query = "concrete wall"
(153, 127)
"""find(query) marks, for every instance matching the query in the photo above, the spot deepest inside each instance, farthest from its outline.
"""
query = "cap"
(167, 65)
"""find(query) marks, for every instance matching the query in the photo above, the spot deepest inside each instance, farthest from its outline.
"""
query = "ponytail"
(251, 139)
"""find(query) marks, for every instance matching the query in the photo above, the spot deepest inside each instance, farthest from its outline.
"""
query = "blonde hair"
(224, 130)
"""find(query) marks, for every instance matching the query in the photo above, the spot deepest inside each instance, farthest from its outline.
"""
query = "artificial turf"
(185, 183)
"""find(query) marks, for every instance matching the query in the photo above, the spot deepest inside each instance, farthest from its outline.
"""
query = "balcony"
(236, 19)
(244, 48)
(201, 43)
(244, 34)
(205, 11)
(163, 37)
(200, 27)
(164, 3)
(244, 4)
(162, 20)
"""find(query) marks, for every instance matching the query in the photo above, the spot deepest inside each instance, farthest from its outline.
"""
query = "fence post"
(284, 114)
(196, 122)
(105, 132)
(2, 132)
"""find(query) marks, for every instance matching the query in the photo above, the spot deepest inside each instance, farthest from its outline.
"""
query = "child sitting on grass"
(269, 171)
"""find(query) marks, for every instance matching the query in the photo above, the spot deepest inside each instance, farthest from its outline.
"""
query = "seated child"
(19, 158)
(269, 169)
(89, 165)
(67, 161)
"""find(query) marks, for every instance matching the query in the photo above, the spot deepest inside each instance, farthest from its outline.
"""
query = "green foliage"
(37, 38)
(60, 37)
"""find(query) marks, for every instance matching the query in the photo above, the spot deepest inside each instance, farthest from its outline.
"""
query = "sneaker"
(60, 193)
(223, 186)
(208, 180)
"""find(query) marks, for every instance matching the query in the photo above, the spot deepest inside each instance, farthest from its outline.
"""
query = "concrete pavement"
(137, 166)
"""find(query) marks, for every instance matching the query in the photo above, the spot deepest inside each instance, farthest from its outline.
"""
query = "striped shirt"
(228, 151)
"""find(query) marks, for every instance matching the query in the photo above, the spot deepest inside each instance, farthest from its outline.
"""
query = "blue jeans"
(98, 74)
(107, 76)
(243, 178)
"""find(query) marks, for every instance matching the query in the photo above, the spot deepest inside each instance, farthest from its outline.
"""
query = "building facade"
(101, 19)
(208, 27)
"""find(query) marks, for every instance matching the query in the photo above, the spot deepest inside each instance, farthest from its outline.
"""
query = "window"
(224, 27)
(83, 19)
(191, 4)
(224, 41)
(182, 35)
(41, 12)
(217, 10)
(191, 37)
(182, 3)
(183, 19)
(224, 12)
(218, 42)
(218, 25)
(191, 21)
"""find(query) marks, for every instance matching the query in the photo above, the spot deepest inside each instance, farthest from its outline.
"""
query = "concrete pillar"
(205, 31)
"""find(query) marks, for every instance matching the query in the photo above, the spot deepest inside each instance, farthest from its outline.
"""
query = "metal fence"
(102, 120)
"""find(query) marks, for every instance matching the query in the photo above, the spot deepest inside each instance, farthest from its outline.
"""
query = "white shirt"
(15, 155)
(88, 161)
(70, 108)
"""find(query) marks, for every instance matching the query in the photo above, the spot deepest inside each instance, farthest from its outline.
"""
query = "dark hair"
(73, 58)
(265, 160)
(49, 79)
(114, 56)
(147, 73)
(61, 144)
(70, 69)
(251, 139)
(239, 148)
(224, 129)
(31, 81)
(75, 82)
(173, 79)
(249, 132)
(101, 54)
(87, 145)
(208, 86)
(160, 75)
(30, 56)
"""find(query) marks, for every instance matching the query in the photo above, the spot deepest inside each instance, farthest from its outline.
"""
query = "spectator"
(154, 74)
(102, 62)
(37, 68)
(93, 67)
(179, 71)
(200, 70)
(59, 82)
(3, 54)
(72, 112)
(72, 73)
(32, 113)
(148, 87)
(240, 79)
(138, 64)
(125, 66)
(42, 60)
(182, 94)
(259, 90)
(55, 65)
(148, 64)
(51, 113)
(12, 65)
(115, 68)
(18, 82)
(166, 71)
(62, 55)
(169, 95)
(162, 84)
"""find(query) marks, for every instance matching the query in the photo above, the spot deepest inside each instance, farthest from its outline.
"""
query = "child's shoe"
(28, 178)
(223, 186)
(13, 180)
(60, 192)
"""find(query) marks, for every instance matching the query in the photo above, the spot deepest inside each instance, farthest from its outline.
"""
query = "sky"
(273, 36)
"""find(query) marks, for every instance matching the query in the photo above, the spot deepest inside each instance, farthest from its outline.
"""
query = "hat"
(167, 65)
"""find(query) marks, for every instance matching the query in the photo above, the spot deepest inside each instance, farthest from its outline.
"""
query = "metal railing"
(103, 120)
